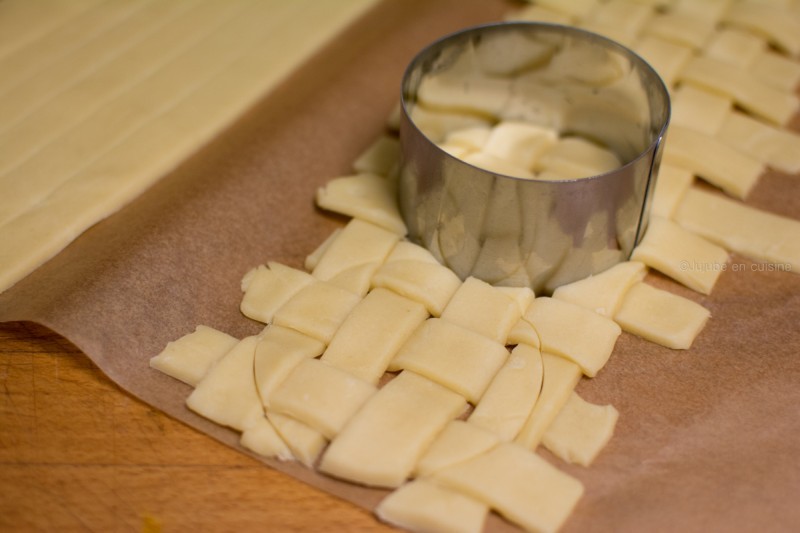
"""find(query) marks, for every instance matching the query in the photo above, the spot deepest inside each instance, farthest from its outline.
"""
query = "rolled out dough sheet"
(78, 153)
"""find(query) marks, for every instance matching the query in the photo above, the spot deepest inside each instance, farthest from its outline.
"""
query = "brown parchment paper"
(708, 439)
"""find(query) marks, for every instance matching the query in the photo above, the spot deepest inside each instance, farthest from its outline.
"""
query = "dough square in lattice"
(507, 403)
(190, 357)
(709, 158)
(360, 242)
(356, 279)
(557, 322)
(317, 310)
(430, 284)
(227, 394)
(382, 443)
(518, 484)
(661, 317)
(561, 377)
(672, 184)
(262, 438)
(698, 109)
(581, 430)
(666, 57)
(267, 288)
(305, 443)
(381, 157)
(741, 228)
(423, 505)
(453, 356)
(771, 104)
(458, 441)
(482, 308)
(682, 255)
(278, 351)
(603, 292)
(369, 197)
(373, 333)
(320, 395)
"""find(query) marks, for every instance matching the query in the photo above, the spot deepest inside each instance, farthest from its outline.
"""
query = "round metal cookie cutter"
(517, 231)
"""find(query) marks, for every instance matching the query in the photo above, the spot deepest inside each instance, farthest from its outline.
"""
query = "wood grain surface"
(78, 453)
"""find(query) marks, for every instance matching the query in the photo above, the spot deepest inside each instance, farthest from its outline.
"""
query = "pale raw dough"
(457, 442)
(358, 243)
(497, 165)
(708, 9)
(408, 251)
(661, 317)
(741, 228)
(518, 484)
(681, 29)
(603, 292)
(777, 70)
(456, 150)
(777, 147)
(227, 394)
(476, 94)
(261, 438)
(190, 357)
(428, 283)
(538, 13)
(306, 444)
(672, 184)
(714, 161)
(381, 157)
(573, 8)
(698, 109)
(471, 139)
(559, 380)
(422, 505)
(278, 351)
(453, 356)
(581, 430)
(507, 403)
(556, 322)
(383, 442)
(320, 395)
(666, 57)
(519, 143)
(735, 46)
(313, 258)
(775, 23)
(621, 21)
(317, 310)
(681, 254)
(356, 279)
(373, 333)
(369, 197)
(751, 94)
(576, 157)
(229, 71)
(523, 332)
(23, 22)
(522, 295)
(484, 309)
(39, 47)
(436, 123)
(61, 96)
(267, 288)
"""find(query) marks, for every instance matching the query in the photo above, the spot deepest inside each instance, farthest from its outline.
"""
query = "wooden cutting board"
(79, 453)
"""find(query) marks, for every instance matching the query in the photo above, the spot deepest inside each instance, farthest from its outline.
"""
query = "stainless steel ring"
(513, 231)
